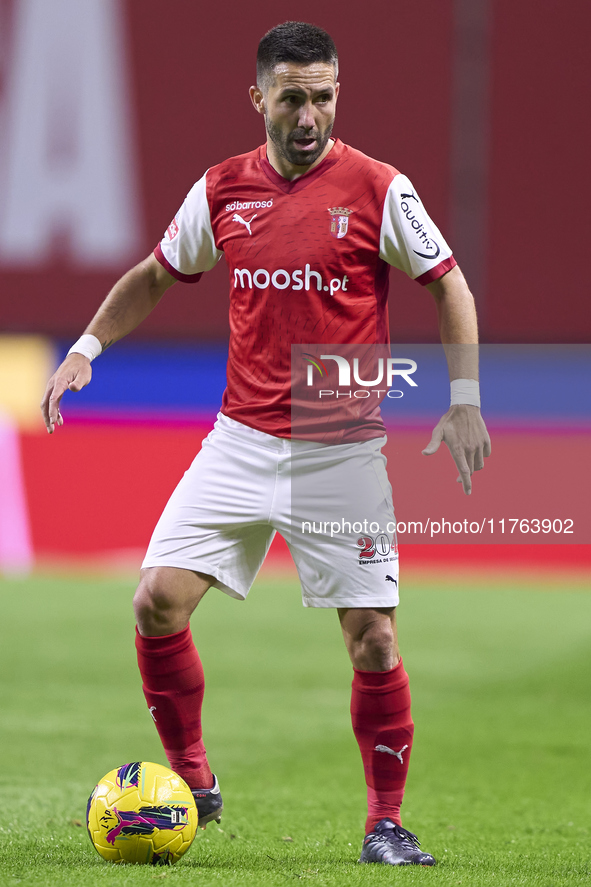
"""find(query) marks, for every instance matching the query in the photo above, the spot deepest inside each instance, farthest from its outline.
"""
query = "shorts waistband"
(284, 445)
(252, 435)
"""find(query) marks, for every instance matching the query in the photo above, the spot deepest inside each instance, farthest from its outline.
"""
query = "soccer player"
(309, 227)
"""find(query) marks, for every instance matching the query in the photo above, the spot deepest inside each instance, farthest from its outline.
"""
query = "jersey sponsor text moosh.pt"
(300, 279)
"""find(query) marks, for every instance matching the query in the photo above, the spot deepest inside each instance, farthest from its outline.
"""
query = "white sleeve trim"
(409, 240)
(189, 244)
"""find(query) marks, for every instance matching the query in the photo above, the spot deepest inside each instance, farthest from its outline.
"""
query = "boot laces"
(404, 836)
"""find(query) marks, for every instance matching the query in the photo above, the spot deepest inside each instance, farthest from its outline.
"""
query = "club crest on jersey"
(339, 221)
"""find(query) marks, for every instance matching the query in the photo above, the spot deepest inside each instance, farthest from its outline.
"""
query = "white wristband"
(465, 391)
(87, 345)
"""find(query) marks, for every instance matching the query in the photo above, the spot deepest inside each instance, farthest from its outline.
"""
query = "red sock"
(380, 712)
(173, 685)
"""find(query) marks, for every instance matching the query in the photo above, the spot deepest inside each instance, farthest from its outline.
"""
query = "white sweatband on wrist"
(87, 345)
(465, 391)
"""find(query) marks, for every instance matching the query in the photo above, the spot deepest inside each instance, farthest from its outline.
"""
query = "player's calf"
(173, 684)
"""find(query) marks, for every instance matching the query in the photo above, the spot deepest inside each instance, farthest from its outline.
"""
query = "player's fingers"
(478, 459)
(434, 443)
(431, 448)
(49, 407)
(82, 378)
(53, 410)
(45, 414)
(465, 473)
(45, 405)
(482, 452)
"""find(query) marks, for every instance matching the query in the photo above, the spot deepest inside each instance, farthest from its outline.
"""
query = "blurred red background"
(406, 69)
(118, 106)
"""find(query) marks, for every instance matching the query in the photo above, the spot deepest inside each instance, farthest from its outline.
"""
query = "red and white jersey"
(308, 261)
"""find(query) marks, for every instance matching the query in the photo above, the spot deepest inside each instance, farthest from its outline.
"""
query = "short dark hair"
(294, 42)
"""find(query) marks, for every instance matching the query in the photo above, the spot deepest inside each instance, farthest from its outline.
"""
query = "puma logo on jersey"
(390, 751)
(391, 579)
(237, 218)
(413, 196)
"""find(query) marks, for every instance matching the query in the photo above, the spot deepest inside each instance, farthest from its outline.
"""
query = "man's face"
(299, 108)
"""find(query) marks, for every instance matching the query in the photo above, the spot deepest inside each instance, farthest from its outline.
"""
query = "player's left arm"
(462, 428)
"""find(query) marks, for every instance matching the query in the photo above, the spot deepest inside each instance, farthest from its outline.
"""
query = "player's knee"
(166, 597)
(155, 600)
(375, 650)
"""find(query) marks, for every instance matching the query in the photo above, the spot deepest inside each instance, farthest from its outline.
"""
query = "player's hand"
(73, 374)
(463, 430)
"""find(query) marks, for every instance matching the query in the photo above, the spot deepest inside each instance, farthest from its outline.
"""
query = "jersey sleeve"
(188, 247)
(409, 240)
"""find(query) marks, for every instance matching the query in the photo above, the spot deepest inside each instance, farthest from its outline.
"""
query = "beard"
(286, 146)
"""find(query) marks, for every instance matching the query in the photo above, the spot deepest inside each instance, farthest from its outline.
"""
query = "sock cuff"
(380, 681)
(166, 644)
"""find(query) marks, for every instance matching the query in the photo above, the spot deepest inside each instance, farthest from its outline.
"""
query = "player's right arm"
(130, 301)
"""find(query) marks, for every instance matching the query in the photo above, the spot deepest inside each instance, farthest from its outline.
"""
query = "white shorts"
(331, 503)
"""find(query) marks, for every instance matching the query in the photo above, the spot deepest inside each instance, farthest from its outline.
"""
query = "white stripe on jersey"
(409, 240)
(192, 249)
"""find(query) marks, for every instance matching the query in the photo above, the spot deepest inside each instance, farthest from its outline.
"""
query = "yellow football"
(142, 813)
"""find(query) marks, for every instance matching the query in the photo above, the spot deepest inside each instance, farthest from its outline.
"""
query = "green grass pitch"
(499, 789)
